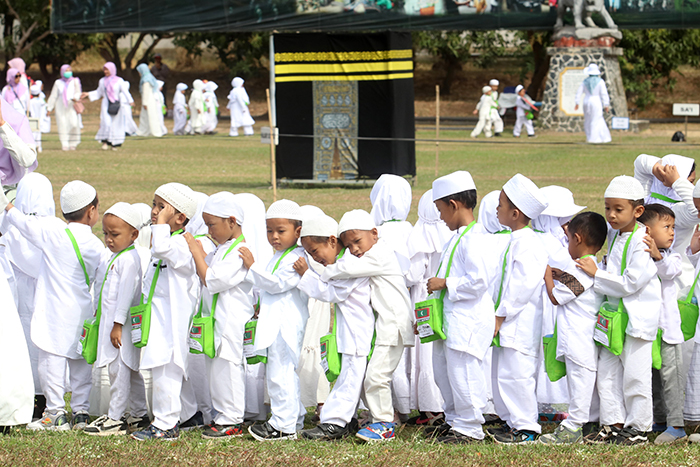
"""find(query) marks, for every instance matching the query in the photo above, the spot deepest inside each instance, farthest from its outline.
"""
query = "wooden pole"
(437, 127)
(273, 160)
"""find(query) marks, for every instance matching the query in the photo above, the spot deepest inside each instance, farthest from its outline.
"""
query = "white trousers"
(283, 387)
(255, 408)
(126, 388)
(580, 382)
(691, 410)
(377, 385)
(668, 386)
(515, 388)
(425, 394)
(188, 401)
(52, 376)
(488, 372)
(460, 378)
(195, 390)
(341, 404)
(484, 124)
(401, 383)
(227, 389)
(624, 385)
(167, 386)
(247, 130)
(519, 122)
(497, 121)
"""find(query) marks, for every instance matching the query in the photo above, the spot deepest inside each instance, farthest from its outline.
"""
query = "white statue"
(582, 10)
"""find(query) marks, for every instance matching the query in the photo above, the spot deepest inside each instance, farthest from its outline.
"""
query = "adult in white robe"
(179, 109)
(196, 104)
(212, 108)
(149, 123)
(109, 89)
(65, 93)
(595, 101)
(15, 92)
(238, 102)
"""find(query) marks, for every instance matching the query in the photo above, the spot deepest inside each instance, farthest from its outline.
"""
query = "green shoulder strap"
(286, 252)
(623, 265)
(80, 257)
(333, 326)
(215, 297)
(503, 273)
(452, 254)
(661, 197)
(98, 313)
(692, 289)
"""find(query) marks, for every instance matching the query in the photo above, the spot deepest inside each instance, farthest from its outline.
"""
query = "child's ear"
(181, 218)
(578, 238)
(375, 234)
(332, 241)
(638, 211)
(297, 232)
(134, 235)
(453, 204)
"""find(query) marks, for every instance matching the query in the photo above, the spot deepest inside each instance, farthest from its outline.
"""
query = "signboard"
(569, 81)
(265, 135)
(686, 110)
(620, 123)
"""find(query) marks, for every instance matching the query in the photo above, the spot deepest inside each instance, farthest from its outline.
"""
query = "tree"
(240, 53)
(532, 46)
(107, 47)
(33, 16)
(55, 50)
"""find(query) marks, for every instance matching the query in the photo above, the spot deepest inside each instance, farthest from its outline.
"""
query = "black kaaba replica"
(333, 90)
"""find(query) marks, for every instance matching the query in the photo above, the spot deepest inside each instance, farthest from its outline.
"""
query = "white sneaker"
(105, 426)
(105, 146)
(49, 421)
(694, 438)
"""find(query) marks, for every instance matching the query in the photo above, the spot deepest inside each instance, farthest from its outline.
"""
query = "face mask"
(68, 74)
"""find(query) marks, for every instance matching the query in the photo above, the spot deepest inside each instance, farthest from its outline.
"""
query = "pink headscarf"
(18, 64)
(110, 81)
(19, 88)
(67, 82)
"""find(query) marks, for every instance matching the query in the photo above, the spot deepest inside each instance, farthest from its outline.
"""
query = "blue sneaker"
(516, 437)
(374, 432)
(153, 432)
(658, 427)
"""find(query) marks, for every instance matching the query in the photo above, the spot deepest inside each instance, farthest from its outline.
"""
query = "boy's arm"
(283, 280)
(351, 267)
(174, 249)
(129, 285)
(33, 228)
(686, 213)
(23, 153)
(523, 281)
(330, 292)
(639, 271)
(670, 266)
(644, 170)
(226, 273)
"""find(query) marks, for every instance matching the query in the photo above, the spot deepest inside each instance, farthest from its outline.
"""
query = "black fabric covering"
(386, 109)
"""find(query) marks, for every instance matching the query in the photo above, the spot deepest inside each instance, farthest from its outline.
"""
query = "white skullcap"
(486, 89)
(494, 82)
(696, 190)
(625, 187)
(179, 196)
(181, 87)
(127, 213)
(518, 88)
(356, 220)
(592, 69)
(223, 204)
(308, 212)
(319, 226)
(76, 195)
(560, 202)
(35, 89)
(525, 195)
(284, 209)
(456, 182)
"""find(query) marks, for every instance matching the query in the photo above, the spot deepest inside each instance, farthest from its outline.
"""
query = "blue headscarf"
(146, 77)
(591, 82)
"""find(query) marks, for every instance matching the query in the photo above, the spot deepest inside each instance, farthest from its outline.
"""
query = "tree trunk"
(109, 51)
(132, 53)
(48, 76)
(541, 61)
(452, 65)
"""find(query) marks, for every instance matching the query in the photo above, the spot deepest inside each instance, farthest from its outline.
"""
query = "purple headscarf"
(110, 82)
(67, 82)
(10, 170)
(18, 88)
(19, 64)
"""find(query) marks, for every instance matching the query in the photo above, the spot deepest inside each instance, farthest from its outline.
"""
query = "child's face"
(696, 202)
(691, 177)
(662, 230)
(282, 234)
(323, 253)
(621, 214)
(221, 229)
(521, 93)
(359, 242)
(505, 212)
(494, 88)
(118, 234)
(448, 213)
(174, 222)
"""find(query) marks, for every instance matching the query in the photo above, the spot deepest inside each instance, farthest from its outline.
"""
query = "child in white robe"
(127, 103)
(483, 109)
(212, 108)
(578, 306)
(196, 106)
(624, 381)
(518, 315)
(495, 116)
(160, 103)
(377, 260)
(37, 109)
(691, 408)
(172, 306)
(70, 257)
(281, 321)
(46, 120)
(238, 102)
(523, 107)
(117, 290)
(179, 109)
(353, 325)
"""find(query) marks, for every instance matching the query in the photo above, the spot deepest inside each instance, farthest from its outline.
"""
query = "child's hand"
(415, 329)
(657, 171)
(300, 266)
(653, 250)
(165, 214)
(194, 244)
(256, 310)
(116, 335)
(695, 240)
(556, 273)
(475, 112)
(247, 257)
(587, 265)
(435, 283)
(670, 175)
(499, 322)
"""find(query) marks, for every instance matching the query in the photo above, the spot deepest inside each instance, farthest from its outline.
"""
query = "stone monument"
(575, 47)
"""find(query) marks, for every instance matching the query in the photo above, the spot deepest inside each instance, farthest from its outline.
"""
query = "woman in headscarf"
(109, 89)
(196, 104)
(65, 97)
(179, 109)
(15, 92)
(238, 102)
(212, 106)
(149, 123)
(19, 65)
(127, 101)
(595, 100)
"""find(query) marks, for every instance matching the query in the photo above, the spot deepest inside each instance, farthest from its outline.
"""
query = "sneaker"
(658, 427)
(266, 432)
(427, 419)
(455, 437)
(194, 422)
(354, 426)
(436, 431)
(516, 437)
(80, 420)
(694, 438)
(590, 428)
(606, 434)
(381, 431)
(630, 437)
(49, 421)
(532, 136)
(671, 435)
(136, 423)
(563, 435)
(39, 406)
(153, 432)
(105, 146)
(326, 432)
(498, 429)
(105, 426)
(216, 431)
(490, 418)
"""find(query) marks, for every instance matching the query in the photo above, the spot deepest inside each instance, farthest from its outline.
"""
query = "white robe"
(21, 105)
(37, 109)
(111, 126)
(484, 123)
(160, 103)
(211, 119)
(238, 102)
(179, 113)
(196, 104)
(126, 99)
(149, 122)
(593, 119)
(67, 119)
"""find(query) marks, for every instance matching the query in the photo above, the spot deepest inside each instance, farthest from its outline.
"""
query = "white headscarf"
(144, 238)
(211, 86)
(487, 213)
(430, 234)
(684, 165)
(254, 227)
(196, 225)
(391, 199)
(35, 195)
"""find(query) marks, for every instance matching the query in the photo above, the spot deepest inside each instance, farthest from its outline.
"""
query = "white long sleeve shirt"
(669, 268)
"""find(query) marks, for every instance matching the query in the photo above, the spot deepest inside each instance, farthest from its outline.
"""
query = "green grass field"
(217, 163)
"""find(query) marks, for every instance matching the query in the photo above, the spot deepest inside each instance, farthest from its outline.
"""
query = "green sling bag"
(689, 313)
(496, 342)
(202, 330)
(88, 334)
(141, 314)
(251, 327)
(429, 313)
(612, 319)
(554, 368)
(331, 359)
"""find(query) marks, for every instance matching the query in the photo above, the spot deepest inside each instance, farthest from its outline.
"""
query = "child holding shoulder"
(578, 304)
(119, 290)
(281, 322)
(171, 275)
(624, 381)
(354, 324)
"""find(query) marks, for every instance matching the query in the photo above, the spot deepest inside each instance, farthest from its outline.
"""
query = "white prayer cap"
(127, 213)
(309, 211)
(494, 82)
(592, 69)
(159, 84)
(39, 82)
(486, 89)
(319, 226)
(223, 204)
(179, 196)
(696, 190)
(625, 187)
(35, 89)
(518, 88)
(456, 182)
(561, 201)
(237, 82)
(356, 220)
(181, 87)
(76, 195)
(525, 195)
(284, 209)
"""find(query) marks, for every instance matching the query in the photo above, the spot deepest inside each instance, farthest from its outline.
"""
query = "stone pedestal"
(566, 66)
